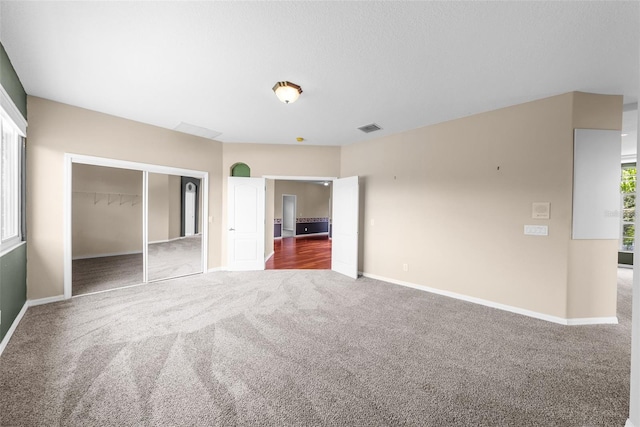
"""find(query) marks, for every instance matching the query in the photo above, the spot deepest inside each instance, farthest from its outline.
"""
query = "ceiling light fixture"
(287, 92)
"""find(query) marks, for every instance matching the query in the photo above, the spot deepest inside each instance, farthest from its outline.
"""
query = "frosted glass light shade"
(287, 92)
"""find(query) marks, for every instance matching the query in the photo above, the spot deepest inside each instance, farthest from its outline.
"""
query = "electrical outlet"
(405, 267)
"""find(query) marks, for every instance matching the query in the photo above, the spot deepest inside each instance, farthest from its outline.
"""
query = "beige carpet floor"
(307, 348)
(100, 274)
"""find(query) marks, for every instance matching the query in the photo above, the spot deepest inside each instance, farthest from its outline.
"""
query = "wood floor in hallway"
(309, 253)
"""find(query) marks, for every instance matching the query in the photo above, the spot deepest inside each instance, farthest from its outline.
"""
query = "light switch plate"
(536, 230)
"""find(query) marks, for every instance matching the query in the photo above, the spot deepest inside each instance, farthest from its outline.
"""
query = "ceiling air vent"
(369, 128)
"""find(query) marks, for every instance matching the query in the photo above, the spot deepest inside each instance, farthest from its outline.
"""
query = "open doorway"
(302, 222)
(251, 205)
(288, 215)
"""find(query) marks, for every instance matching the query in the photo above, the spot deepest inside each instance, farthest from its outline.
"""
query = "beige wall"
(174, 207)
(286, 160)
(312, 200)
(450, 200)
(158, 221)
(275, 160)
(107, 211)
(593, 264)
(55, 129)
(164, 207)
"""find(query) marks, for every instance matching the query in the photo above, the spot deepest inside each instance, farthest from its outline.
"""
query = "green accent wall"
(13, 265)
(11, 83)
(13, 286)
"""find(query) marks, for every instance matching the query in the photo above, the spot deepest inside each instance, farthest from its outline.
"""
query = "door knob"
(232, 229)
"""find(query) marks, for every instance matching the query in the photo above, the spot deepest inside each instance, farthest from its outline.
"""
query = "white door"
(245, 220)
(288, 212)
(344, 244)
(190, 210)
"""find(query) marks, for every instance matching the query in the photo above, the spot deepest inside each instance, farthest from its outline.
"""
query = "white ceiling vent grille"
(369, 128)
(197, 131)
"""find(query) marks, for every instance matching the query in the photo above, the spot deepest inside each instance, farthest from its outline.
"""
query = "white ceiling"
(401, 65)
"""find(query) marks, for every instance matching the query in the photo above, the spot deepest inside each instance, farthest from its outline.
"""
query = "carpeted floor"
(307, 348)
(175, 258)
(166, 260)
(99, 274)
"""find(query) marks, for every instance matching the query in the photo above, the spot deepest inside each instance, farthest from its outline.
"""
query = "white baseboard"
(12, 329)
(129, 253)
(269, 256)
(113, 289)
(170, 240)
(213, 270)
(106, 255)
(48, 300)
(16, 321)
(593, 321)
(628, 423)
(499, 306)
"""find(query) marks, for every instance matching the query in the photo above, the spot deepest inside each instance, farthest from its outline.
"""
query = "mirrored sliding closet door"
(174, 226)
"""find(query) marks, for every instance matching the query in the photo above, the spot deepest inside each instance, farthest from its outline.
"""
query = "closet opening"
(128, 223)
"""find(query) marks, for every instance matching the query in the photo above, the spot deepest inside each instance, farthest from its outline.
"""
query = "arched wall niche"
(241, 169)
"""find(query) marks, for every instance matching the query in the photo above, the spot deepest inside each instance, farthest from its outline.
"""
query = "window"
(10, 183)
(628, 207)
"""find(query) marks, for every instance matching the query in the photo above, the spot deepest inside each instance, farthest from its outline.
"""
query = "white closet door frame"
(145, 226)
(146, 168)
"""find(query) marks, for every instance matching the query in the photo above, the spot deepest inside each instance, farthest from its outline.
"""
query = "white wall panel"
(596, 184)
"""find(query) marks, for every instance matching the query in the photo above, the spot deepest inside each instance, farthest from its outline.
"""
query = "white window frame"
(14, 148)
(627, 165)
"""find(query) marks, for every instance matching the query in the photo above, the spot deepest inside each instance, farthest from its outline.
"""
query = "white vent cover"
(369, 128)
(197, 130)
